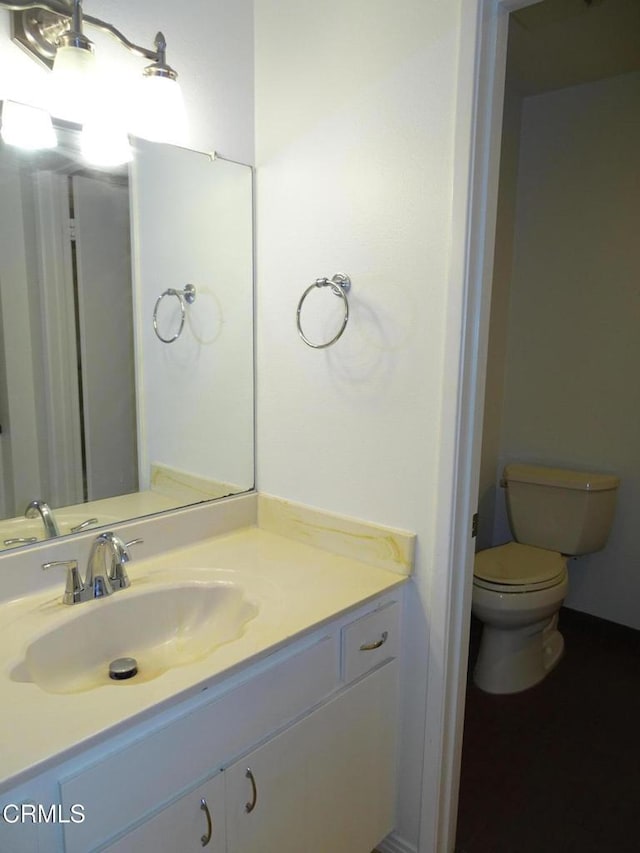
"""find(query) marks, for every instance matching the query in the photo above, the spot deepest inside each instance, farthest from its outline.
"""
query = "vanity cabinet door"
(186, 826)
(325, 785)
(266, 795)
(352, 770)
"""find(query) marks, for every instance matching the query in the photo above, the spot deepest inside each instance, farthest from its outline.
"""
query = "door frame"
(478, 126)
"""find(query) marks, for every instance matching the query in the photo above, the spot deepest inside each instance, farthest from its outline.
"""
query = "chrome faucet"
(106, 571)
(43, 510)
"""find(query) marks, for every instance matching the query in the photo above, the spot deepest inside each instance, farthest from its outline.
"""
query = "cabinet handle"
(369, 647)
(249, 807)
(205, 808)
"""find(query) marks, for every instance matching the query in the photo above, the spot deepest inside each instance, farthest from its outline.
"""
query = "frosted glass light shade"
(27, 127)
(72, 83)
(105, 143)
(104, 139)
(160, 112)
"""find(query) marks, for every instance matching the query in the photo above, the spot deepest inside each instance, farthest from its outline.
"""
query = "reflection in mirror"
(101, 419)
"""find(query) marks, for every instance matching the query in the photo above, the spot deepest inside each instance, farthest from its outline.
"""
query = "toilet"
(518, 588)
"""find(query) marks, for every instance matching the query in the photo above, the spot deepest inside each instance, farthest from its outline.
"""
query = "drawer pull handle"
(205, 808)
(249, 807)
(369, 647)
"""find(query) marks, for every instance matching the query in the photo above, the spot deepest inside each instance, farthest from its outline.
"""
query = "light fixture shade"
(105, 144)
(160, 114)
(27, 127)
(104, 140)
(72, 83)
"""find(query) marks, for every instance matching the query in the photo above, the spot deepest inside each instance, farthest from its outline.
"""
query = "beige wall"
(572, 395)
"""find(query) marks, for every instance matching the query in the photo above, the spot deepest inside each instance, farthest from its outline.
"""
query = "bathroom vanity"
(281, 738)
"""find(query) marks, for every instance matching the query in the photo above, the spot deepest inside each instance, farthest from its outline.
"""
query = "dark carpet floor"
(556, 769)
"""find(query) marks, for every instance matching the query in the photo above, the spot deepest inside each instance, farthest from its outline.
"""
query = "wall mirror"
(119, 397)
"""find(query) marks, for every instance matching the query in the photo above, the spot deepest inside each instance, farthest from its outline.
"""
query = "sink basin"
(162, 626)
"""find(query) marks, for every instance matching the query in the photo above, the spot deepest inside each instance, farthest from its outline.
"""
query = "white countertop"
(295, 586)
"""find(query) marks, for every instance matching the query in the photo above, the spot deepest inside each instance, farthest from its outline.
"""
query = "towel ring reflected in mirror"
(186, 296)
(339, 284)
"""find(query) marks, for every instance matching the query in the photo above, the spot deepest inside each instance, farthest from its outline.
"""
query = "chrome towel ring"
(340, 284)
(188, 295)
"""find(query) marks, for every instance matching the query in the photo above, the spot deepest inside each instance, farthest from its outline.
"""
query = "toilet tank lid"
(560, 478)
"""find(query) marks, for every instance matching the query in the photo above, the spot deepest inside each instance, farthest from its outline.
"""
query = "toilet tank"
(560, 510)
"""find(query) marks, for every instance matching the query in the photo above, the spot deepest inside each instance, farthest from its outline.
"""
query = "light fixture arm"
(144, 52)
(35, 33)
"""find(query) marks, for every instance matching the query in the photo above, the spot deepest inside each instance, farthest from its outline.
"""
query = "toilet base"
(511, 661)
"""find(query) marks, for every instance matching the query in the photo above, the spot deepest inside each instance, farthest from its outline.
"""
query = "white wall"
(354, 146)
(572, 395)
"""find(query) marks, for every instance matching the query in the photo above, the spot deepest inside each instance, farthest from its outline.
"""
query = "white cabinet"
(17, 836)
(352, 798)
(193, 823)
(123, 785)
(267, 795)
(326, 783)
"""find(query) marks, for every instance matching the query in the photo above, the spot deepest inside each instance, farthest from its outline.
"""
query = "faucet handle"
(83, 525)
(120, 577)
(74, 587)
(21, 540)
(118, 574)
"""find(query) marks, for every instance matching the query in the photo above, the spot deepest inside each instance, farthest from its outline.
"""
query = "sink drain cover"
(123, 668)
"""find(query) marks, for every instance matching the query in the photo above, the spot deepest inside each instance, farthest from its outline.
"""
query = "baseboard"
(394, 844)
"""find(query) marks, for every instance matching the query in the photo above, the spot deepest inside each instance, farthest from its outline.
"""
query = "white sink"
(160, 625)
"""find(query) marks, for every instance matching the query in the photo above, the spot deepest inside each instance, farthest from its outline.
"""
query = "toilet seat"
(516, 568)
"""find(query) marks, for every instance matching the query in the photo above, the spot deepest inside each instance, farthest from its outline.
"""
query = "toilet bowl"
(517, 593)
(518, 588)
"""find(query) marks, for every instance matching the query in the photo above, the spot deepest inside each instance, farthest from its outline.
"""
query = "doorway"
(516, 348)
(67, 390)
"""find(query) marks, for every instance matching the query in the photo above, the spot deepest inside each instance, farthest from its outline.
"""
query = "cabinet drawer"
(370, 640)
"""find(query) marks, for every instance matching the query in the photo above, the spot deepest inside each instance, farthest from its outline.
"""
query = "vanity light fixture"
(51, 31)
